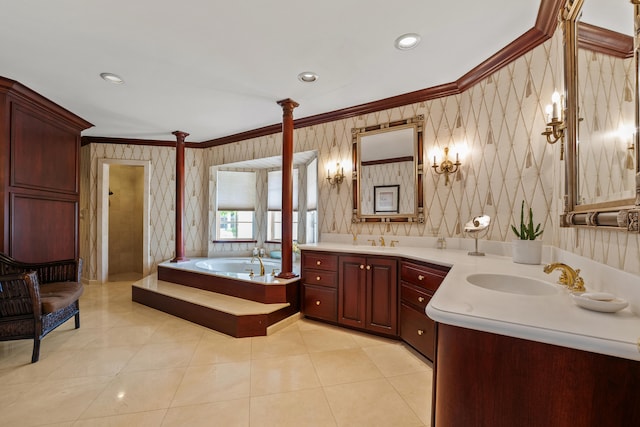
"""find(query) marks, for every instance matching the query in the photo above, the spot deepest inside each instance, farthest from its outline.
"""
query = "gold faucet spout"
(382, 242)
(261, 264)
(568, 276)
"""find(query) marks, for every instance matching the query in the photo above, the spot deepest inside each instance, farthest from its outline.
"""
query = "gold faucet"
(569, 277)
(382, 243)
(261, 264)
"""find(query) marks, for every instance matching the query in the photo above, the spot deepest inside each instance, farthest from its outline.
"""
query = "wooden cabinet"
(319, 285)
(418, 282)
(367, 293)
(39, 176)
(361, 292)
(506, 381)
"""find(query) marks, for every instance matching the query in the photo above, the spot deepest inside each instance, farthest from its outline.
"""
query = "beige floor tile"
(231, 413)
(370, 404)
(344, 366)
(95, 362)
(122, 336)
(396, 359)
(136, 392)
(131, 365)
(282, 374)
(213, 383)
(162, 356)
(415, 389)
(212, 349)
(306, 408)
(328, 338)
(64, 400)
(280, 344)
(140, 419)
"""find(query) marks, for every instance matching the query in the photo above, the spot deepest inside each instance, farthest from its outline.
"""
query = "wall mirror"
(602, 148)
(387, 172)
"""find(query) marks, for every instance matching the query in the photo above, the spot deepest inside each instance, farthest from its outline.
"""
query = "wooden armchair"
(36, 298)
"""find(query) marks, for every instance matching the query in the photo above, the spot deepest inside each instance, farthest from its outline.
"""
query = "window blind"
(274, 196)
(236, 191)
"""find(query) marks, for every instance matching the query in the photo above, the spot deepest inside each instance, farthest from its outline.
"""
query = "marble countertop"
(552, 319)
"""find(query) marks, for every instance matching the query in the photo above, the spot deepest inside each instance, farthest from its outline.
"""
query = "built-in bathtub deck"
(231, 315)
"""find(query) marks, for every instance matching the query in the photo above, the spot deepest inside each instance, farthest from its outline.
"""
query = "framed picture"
(386, 198)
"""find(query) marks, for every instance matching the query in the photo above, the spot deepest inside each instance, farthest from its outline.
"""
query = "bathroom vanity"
(504, 354)
(377, 293)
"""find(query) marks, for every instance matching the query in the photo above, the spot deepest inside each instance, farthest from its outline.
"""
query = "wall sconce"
(337, 178)
(447, 166)
(556, 125)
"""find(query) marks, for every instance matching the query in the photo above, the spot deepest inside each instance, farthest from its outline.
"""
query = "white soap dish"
(599, 301)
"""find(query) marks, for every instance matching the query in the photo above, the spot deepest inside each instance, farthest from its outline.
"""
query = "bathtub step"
(224, 313)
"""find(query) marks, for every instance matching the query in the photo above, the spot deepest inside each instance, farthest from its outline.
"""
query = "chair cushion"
(57, 295)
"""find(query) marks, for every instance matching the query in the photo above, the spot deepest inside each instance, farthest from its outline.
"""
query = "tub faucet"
(382, 242)
(569, 277)
(261, 264)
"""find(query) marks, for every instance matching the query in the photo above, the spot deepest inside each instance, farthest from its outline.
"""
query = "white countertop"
(552, 319)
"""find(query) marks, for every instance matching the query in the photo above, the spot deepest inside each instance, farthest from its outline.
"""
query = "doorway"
(123, 220)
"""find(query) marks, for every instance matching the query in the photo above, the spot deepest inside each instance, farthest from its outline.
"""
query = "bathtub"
(231, 276)
(238, 267)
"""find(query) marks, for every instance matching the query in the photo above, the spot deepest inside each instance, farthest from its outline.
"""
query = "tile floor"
(129, 365)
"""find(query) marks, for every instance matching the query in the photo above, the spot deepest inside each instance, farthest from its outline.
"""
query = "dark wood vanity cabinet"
(379, 294)
(418, 282)
(367, 293)
(320, 285)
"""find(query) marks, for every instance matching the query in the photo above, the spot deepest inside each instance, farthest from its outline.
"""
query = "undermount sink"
(512, 284)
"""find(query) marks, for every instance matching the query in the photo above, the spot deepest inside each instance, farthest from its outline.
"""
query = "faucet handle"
(250, 270)
(273, 272)
(393, 243)
(373, 242)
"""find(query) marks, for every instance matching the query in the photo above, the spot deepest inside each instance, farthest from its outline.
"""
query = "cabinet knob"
(318, 262)
(368, 267)
(420, 277)
(318, 278)
(420, 299)
(420, 332)
(318, 303)
(361, 267)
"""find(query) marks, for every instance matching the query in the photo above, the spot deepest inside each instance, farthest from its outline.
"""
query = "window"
(274, 205)
(236, 197)
(311, 231)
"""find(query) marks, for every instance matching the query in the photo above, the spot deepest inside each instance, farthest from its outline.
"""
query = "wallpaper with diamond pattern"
(495, 126)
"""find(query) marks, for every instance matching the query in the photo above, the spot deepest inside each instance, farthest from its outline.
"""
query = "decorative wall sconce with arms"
(337, 178)
(447, 166)
(556, 125)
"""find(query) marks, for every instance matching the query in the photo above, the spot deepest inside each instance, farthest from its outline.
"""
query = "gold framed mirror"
(601, 76)
(387, 172)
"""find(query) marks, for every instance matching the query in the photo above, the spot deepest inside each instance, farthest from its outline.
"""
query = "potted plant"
(526, 249)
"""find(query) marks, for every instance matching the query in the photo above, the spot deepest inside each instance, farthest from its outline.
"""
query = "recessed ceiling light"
(112, 78)
(407, 41)
(307, 77)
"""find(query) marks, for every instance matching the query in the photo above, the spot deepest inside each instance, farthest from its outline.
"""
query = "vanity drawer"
(320, 302)
(319, 261)
(320, 278)
(418, 330)
(412, 295)
(422, 275)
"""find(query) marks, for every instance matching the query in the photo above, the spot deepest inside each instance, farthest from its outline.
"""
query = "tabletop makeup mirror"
(601, 114)
(387, 172)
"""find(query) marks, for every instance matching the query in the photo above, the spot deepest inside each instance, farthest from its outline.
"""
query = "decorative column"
(180, 137)
(287, 187)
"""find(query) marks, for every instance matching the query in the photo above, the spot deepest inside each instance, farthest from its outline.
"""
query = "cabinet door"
(351, 291)
(382, 295)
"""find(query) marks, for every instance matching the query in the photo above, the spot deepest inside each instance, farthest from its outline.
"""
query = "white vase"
(527, 251)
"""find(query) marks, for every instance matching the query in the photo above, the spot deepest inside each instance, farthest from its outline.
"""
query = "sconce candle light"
(555, 125)
(337, 178)
(447, 166)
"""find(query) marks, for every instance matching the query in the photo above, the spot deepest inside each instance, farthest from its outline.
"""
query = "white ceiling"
(214, 68)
